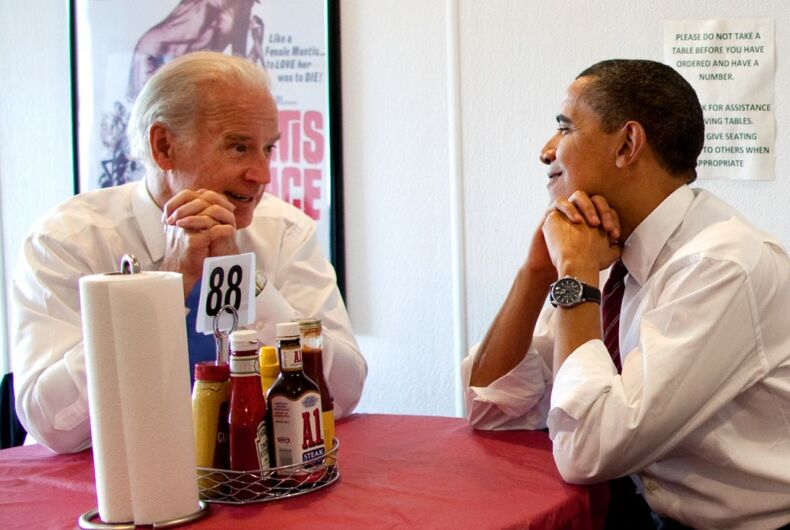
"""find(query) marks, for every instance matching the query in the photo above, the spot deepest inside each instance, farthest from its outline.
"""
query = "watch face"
(567, 291)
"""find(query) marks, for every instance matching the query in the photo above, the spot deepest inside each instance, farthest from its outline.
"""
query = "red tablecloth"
(396, 472)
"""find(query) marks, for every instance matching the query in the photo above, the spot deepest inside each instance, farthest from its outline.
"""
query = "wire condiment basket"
(225, 486)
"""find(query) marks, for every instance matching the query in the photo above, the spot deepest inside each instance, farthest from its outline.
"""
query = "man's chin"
(243, 221)
(244, 216)
(245, 213)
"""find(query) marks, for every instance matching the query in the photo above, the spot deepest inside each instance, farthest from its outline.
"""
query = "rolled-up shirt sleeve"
(520, 398)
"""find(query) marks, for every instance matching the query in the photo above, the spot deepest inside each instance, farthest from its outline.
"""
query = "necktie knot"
(618, 271)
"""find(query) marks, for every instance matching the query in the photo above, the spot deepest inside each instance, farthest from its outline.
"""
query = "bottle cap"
(211, 371)
(244, 340)
(310, 325)
(268, 360)
(287, 330)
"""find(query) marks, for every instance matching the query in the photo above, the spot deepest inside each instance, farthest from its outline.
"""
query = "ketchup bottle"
(247, 416)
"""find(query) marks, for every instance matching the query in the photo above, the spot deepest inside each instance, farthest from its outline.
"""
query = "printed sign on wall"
(730, 63)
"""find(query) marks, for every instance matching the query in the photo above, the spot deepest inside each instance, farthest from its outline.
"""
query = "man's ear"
(633, 143)
(162, 146)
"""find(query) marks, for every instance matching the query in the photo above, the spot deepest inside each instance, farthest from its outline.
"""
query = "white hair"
(172, 96)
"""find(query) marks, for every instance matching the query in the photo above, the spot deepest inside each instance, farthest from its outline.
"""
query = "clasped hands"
(579, 236)
(198, 224)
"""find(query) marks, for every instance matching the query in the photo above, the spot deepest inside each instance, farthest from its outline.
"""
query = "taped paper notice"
(730, 63)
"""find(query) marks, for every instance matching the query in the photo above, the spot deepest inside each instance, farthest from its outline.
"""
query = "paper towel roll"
(137, 365)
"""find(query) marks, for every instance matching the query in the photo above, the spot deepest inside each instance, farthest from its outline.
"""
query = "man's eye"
(239, 148)
(562, 129)
(269, 149)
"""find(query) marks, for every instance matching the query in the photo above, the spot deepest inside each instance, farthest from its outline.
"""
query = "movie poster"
(121, 43)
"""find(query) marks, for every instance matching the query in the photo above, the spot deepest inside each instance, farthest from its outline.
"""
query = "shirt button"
(651, 486)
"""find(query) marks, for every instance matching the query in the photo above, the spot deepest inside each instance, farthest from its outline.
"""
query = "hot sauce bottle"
(247, 416)
(312, 352)
(294, 403)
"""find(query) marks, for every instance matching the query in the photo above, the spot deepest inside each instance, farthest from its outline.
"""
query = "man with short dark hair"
(204, 126)
(681, 379)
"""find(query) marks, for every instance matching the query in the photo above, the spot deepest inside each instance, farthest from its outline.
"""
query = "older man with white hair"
(204, 126)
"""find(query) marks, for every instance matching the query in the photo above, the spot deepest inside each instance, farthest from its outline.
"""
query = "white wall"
(35, 120)
(395, 152)
(515, 59)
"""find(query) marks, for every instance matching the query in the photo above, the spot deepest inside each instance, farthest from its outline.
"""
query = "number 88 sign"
(227, 280)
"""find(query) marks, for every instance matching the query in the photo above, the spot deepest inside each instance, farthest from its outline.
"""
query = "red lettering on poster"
(312, 193)
(290, 134)
(297, 166)
(313, 131)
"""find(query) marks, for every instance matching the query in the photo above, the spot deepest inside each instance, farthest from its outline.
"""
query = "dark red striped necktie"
(610, 310)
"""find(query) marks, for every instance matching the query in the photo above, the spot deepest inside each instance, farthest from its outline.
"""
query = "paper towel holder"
(129, 265)
(86, 520)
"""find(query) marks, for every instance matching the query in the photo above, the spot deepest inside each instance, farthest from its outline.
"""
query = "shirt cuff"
(516, 400)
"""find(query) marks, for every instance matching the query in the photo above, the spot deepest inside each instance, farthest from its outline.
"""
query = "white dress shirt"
(88, 234)
(701, 412)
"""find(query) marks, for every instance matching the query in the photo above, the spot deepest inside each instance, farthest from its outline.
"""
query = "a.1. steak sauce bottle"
(294, 409)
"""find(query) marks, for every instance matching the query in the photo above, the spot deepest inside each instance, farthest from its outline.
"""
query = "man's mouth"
(237, 197)
(553, 174)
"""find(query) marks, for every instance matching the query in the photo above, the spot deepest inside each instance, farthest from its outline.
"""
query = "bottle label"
(291, 358)
(297, 428)
(244, 365)
(222, 451)
(262, 445)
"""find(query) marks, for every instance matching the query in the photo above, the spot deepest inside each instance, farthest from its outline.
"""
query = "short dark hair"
(657, 97)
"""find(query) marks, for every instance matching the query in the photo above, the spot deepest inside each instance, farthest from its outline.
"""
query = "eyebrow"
(237, 138)
(562, 118)
(246, 138)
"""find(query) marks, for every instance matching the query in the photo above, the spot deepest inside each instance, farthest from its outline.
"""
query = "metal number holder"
(221, 336)
(224, 486)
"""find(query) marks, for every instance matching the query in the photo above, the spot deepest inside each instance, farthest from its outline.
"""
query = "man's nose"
(548, 153)
(259, 171)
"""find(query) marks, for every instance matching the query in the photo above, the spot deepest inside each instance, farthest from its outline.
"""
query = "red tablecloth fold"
(396, 472)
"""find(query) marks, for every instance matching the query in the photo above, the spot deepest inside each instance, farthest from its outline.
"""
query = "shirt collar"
(643, 246)
(149, 216)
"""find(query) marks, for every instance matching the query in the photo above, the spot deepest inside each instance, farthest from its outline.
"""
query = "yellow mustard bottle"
(210, 397)
(269, 366)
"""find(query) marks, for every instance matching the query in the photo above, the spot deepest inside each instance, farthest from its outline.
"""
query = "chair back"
(12, 433)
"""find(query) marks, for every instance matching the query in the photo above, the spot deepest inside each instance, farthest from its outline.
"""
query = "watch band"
(590, 293)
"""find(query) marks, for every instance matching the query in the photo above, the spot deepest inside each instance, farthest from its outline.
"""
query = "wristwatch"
(568, 292)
